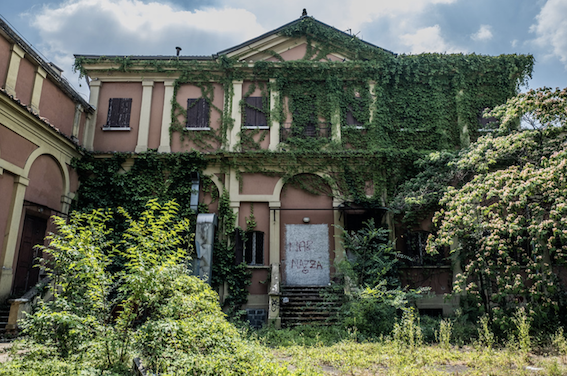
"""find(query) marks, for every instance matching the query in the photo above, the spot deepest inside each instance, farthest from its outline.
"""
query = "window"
(250, 247)
(119, 113)
(197, 113)
(353, 109)
(254, 112)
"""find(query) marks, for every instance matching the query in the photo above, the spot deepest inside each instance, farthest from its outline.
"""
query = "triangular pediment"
(304, 39)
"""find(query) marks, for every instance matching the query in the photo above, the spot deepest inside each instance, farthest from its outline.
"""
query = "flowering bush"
(507, 224)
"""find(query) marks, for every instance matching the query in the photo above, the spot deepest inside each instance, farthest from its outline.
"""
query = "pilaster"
(339, 223)
(40, 75)
(275, 128)
(145, 111)
(16, 56)
(11, 237)
(164, 146)
(88, 140)
(274, 293)
(77, 120)
(234, 138)
(66, 201)
(372, 89)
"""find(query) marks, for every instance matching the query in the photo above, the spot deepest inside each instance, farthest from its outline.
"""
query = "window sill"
(198, 128)
(256, 127)
(116, 129)
(351, 126)
(267, 267)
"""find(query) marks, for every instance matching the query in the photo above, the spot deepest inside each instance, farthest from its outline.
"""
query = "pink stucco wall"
(333, 57)
(261, 137)
(258, 184)
(258, 285)
(298, 53)
(25, 80)
(4, 59)
(82, 124)
(14, 148)
(294, 53)
(257, 92)
(46, 183)
(73, 179)
(57, 107)
(207, 199)
(191, 91)
(156, 115)
(118, 140)
(262, 215)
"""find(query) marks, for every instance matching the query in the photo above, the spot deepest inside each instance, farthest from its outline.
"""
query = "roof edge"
(29, 50)
(276, 31)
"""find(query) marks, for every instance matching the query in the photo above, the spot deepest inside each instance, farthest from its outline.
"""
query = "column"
(12, 75)
(275, 128)
(145, 111)
(40, 75)
(274, 292)
(88, 138)
(339, 223)
(164, 146)
(233, 136)
(11, 238)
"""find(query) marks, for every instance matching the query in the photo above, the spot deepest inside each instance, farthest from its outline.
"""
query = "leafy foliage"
(506, 220)
(375, 298)
(98, 320)
(408, 106)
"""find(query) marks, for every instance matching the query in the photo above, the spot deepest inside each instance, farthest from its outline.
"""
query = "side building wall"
(41, 118)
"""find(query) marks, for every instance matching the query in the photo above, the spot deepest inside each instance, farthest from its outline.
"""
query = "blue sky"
(59, 29)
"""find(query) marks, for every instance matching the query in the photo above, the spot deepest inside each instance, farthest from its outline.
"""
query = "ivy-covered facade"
(291, 136)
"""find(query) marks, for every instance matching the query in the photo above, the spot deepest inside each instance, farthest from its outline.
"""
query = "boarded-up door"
(26, 274)
(307, 255)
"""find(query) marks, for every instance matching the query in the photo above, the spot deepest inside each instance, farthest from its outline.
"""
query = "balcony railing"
(315, 130)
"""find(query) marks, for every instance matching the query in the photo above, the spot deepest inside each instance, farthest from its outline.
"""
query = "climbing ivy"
(405, 106)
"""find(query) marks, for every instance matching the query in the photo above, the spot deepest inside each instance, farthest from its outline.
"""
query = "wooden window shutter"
(119, 112)
(197, 113)
(249, 248)
(191, 118)
(350, 118)
(238, 248)
(124, 115)
(259, 248)
(255, 116)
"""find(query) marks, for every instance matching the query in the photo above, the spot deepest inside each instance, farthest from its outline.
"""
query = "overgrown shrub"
(375, 298)
(154, 309)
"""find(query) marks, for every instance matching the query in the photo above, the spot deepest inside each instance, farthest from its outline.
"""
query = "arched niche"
(47, 181)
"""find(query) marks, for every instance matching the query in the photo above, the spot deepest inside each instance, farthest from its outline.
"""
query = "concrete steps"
(306, 305)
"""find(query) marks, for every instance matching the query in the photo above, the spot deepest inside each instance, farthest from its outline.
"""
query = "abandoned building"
(306, 129)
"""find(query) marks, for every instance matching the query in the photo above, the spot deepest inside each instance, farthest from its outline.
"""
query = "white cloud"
(551, 29)
(428, 39)
(484, 33)
(133, 22)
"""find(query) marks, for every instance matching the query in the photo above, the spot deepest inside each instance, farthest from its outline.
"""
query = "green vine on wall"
(408, 107)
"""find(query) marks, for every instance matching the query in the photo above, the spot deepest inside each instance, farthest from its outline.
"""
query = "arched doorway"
(306, 225)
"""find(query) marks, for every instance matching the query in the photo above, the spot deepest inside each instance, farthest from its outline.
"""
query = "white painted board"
(307, 255)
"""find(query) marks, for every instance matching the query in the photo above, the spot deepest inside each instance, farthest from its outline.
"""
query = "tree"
(507, 221)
